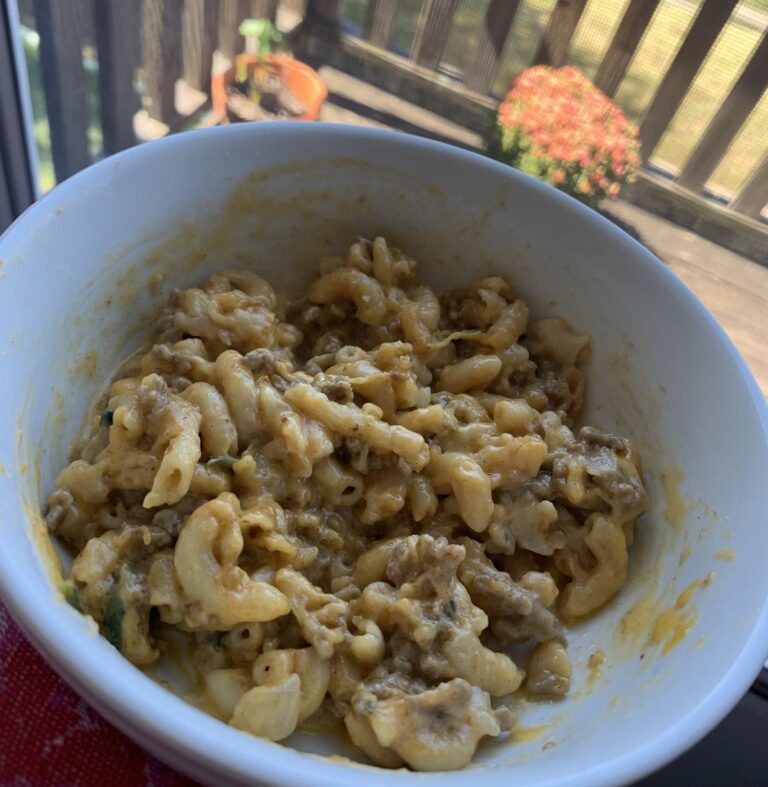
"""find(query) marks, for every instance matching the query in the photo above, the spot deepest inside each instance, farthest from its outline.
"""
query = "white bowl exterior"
(79, 275)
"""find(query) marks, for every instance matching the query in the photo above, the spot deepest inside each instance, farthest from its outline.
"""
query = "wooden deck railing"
(435, 23)
(178, 39)
(165, 45)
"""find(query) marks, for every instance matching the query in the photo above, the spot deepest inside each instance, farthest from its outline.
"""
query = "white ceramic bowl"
(85, 270)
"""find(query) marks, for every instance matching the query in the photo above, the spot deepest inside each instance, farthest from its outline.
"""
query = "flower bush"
(556, 125)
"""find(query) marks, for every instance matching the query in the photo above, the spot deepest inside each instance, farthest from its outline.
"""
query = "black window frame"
(18, 186)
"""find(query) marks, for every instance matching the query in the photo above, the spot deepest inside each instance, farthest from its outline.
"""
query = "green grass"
(467, 22)
(653, 57)
(354, 13)
(41, 131)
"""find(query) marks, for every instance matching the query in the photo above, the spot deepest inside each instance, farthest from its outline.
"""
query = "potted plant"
(265, 83)
(556, 125)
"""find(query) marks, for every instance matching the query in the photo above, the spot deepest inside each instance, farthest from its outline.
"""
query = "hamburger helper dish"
(358, 503)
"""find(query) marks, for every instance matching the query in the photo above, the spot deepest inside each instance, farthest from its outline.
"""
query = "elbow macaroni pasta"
(329, 500)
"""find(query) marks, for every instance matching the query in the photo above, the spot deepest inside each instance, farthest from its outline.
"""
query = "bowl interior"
(85, 273)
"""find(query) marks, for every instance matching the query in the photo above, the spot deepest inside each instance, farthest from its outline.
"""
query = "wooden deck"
(734, 288)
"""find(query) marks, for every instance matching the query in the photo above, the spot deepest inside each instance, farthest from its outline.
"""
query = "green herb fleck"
(106, 418)
(396, 253)
(222, 462)
(71, 596)
(113, 617)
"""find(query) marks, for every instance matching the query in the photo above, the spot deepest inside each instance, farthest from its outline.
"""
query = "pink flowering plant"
(556, 125)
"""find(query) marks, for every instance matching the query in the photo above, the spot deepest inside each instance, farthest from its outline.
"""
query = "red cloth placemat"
(49, 735)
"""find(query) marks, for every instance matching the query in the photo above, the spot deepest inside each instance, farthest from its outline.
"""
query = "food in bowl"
(369, 501)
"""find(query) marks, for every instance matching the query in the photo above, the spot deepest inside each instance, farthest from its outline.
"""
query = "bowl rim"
(174, 727)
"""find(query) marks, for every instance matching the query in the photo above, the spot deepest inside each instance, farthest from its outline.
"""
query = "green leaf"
(253, 27)
(261, 36)
(114, 611)
(71, 596)
(221, 462)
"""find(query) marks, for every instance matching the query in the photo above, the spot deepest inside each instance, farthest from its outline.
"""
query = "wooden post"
(493, 36)
(296, 8)
(710, 20)
(624, 44)
(753, 197)
(729, 119)
(61, 61)
(199, 30)
(380, 21)
(161, 45)
(559, 32)
(264, 8)
(432, 31)
(324, 13)
(117, 64)
(231, 14)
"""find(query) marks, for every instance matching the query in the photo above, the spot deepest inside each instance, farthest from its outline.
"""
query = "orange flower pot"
(304, 82)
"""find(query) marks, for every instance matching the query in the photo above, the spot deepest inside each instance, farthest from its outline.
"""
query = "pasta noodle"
(333, 500)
